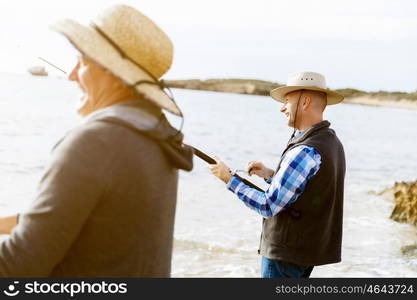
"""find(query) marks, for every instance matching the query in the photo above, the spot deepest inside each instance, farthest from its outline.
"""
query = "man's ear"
(306, 102)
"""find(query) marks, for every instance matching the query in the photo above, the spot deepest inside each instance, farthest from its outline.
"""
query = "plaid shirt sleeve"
(298, 166)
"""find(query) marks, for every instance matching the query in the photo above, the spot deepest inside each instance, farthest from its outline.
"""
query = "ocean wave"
(185, 245)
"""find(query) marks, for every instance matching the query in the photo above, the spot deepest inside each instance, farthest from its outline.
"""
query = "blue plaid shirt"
(297, 167)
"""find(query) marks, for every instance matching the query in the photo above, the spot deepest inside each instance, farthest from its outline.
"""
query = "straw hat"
(130, 46)
(306, 81)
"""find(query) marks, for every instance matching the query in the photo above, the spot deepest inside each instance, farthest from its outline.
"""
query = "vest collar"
(306, 133)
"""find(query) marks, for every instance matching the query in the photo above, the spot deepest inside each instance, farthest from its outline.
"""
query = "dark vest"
(309, 232)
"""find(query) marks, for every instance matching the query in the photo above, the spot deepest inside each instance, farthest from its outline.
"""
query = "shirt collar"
(298, 133)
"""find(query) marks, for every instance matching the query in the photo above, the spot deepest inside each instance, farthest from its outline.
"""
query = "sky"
(367, 44)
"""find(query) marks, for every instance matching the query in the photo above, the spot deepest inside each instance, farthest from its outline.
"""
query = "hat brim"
(91, 44)
(279, 93)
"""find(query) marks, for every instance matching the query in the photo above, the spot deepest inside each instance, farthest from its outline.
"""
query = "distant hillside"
(261, 87)
(239, 86)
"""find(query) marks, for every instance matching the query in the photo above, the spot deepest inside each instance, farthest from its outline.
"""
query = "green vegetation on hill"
(262, 87)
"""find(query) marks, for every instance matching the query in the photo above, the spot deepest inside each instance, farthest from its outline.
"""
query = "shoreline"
(381, 102)
(261, 88)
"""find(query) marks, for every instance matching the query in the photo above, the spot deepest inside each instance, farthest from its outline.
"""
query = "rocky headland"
(262, 88)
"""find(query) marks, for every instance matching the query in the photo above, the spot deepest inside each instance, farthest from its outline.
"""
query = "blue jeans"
(278, 269)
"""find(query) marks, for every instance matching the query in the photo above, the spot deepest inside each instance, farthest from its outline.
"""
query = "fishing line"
(161, 84)
(196, 151)
(51, 64)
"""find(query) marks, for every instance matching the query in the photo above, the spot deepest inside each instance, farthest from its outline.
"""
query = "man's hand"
(258, 168)
(220, 170)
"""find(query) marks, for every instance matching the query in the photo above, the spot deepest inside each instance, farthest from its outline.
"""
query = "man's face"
(289, 107)
(87, 75)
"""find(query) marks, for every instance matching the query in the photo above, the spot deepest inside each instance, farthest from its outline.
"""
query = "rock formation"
(405, 209)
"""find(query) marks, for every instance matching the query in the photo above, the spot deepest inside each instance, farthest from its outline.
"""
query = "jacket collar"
(132, 112)
(139, 116)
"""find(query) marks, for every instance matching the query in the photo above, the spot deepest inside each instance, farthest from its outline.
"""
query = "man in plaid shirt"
(303, 108)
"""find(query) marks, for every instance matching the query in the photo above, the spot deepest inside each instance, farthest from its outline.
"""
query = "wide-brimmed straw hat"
(130, 46)
(306, 81)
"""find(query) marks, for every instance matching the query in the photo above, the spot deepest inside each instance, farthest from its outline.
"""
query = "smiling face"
(304, 108)
(87, 75)
(290, 106)
(99, 87)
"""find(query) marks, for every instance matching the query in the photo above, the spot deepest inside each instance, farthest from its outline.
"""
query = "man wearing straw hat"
(303, 206)
(106, 204)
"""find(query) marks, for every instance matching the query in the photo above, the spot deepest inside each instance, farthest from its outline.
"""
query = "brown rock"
(405, 210)
(409, 250)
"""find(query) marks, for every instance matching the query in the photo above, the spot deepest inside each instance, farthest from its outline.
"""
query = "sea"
(216, 235)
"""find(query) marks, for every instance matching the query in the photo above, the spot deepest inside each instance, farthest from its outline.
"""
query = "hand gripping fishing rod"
(294, 213)
(211, 161)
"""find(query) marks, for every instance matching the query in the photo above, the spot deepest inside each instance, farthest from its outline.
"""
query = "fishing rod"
(196, 151)
(51, 64)
(294, 213)
(211, 161)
